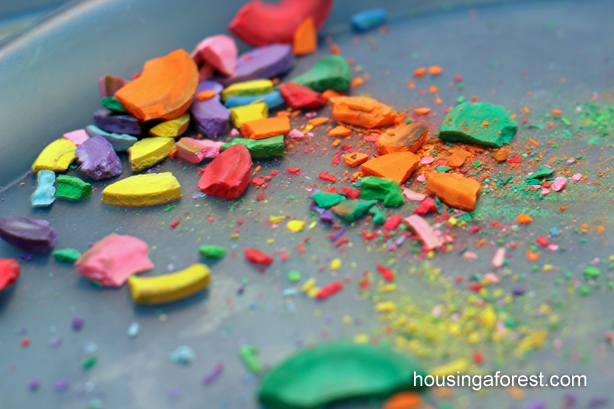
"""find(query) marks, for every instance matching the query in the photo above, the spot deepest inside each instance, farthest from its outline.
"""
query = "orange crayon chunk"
(356, 158)
(397, 166)
(331, 93)
(525, 218)
(164, 90)
(265, 128)
(501, 154)
(403, 400)
(458, 158)
(454, 190)
(405, 138)
(435, 70)
(318, 121)
(305, 37)
(362, 111)
(205, 95)
(339, 131)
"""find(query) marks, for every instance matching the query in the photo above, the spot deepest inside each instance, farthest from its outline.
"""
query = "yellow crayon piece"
(296, 225)
(57, 156)
(246, 113)
(143, 190)
(149, 151)
(169, 287)
(172, 128)
(451, 368)
(247, 88)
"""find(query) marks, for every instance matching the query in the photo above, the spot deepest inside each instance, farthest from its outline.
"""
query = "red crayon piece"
(387, 274)
(9, 272)
(299, 96)
(329, 290)
(228, 174)
(257, 256)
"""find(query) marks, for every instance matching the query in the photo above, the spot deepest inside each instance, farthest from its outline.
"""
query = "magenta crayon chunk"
(113, 259)
(109, 85)
(263, 62)
(209, 116)
(28, 234)
(98, 159)
(227, 175)
(77, 137)
(220, 52)
(195, 150)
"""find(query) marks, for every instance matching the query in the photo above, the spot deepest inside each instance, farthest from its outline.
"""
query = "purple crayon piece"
(209, 116)
(108, 122)
(34, 384)
(98, 159)
(28, 234)
(262, 62)
(214, 374)
(77, 323)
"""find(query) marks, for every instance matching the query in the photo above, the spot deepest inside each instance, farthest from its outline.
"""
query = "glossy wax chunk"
(210, 116)
(120, 142)
(9, 272)
(258, 23)
(57, 156)
(169, 287)
(300, 97)
(332, 72)
(143, 190)
(71, 187)
(227, 175)
(98, 159)
(259, 63)
(28, 234)
(478, 123)
(164, 90)
(327, 373)
(44, 194)
(149, 151)
(113, 259)
(114, 123)
(219, 51)
(196, 150)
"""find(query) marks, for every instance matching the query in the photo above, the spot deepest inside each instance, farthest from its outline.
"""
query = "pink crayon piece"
(413, 196)
(113, 259)
(77, 137)
(195, 150)
(219, 52)
(559, 183)
(424, 231)
(499, 258)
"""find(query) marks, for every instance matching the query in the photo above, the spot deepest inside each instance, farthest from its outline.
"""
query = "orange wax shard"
(405, 138)
(458, 158)
(265, 128)
(305, 37)
(454, 190)
(339, 131)
(318, 121)
(435, 70)
(419, 72)
(525, 218)
(362, 111)
(403, 400)
(205, 95)
(330, 93)
(356, 158)
(397, 166)
(422, 111)
(164, 90)
(502, 154)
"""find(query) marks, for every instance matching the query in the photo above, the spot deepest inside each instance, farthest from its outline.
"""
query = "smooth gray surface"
(492, 52)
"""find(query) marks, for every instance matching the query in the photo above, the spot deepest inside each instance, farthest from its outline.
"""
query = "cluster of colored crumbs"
(492, 190)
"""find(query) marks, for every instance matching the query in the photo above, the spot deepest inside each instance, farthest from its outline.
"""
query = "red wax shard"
(393, 222)
(387, 274)
(256, 256)
(298, 96)
(329, 289)
(351, 193)
(9, 272)
(228, 174)
(428, 205)
(259, 23)
(327, 177)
